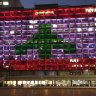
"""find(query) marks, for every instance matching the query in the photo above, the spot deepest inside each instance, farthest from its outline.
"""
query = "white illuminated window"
(90, 29)
(9, 82)
(6, 66)
(74, 60)
(89, 10)
(30, 26)
(50, 82)
(28, 82)
(43, 82)
(32, 82)
(19, 82)
(12, 32)
(95, 19)
(39, 82)
(33, 21)
(54, 25)
(79, 29)
(5, 3)
(14, 83)
(24, 82)
(36, 82)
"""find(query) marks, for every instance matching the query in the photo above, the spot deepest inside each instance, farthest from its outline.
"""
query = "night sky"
(31, 3)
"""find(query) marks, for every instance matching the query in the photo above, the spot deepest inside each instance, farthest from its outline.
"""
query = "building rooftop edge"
(62, 6)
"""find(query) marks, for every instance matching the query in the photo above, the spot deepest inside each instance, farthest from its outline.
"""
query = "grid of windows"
(18, 32)
(58, 38)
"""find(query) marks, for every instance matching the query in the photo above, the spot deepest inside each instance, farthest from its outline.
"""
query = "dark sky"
(31, 3)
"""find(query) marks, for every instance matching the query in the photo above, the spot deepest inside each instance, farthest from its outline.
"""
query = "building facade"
(51, 46)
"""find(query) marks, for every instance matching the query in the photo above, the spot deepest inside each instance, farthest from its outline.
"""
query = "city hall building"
(49, 45)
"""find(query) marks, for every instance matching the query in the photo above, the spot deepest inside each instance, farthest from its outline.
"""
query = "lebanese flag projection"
(50, 39)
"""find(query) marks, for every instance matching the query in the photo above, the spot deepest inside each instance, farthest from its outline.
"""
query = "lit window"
(32, 82)
(43, 82)
(19, 82)
(14, 83)
(7, 66)
(6, 3)
(28, 82)
(86, 70)
(81, 66)
(86, 65)
(73, 65)
(36, 82)
(90, 29)
(79, 29)
(33, 21)
(9, 82)
(95, 19)
(31, 26)
(77, 65)
(93, 65)
(12, 32)
(24, 82)
(74, 60)
(54, 26)
(89, 10)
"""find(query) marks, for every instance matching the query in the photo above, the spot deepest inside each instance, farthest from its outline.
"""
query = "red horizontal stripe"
(51, 64)
(74, 12)
(46, 17)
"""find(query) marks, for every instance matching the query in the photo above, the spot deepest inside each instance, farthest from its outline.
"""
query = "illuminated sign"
(44, 12)
(89, 10)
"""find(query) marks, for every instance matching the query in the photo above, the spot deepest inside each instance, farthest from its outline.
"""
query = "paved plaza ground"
(47, 91)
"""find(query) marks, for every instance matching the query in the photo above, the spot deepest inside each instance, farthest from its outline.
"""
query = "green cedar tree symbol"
(44, 41)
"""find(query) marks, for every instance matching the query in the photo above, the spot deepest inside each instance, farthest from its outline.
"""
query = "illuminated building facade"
(49, 40)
